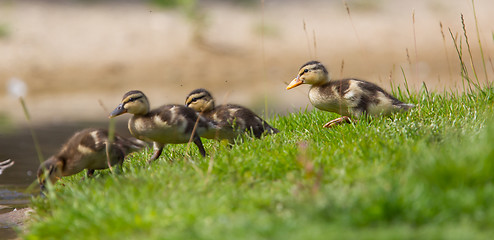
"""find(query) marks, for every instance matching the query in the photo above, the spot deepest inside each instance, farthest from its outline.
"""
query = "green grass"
(427, 173)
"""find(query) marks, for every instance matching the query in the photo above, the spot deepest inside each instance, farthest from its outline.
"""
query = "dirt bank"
(14, 218)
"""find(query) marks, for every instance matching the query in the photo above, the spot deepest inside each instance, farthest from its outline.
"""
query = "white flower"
(16, 87)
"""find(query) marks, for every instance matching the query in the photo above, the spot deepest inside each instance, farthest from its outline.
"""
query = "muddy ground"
(12, 217)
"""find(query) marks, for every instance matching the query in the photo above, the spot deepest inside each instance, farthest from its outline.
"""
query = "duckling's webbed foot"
(338, 121)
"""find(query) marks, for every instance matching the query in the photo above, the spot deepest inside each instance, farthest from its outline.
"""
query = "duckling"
(233, 120)
(86, 149)
(164, 125)
(347, 97)
(5, 164)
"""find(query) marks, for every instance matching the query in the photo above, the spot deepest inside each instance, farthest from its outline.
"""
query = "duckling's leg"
(90, 173)
(117, 158)
(158, 148)
(198, 142)
(338, 121)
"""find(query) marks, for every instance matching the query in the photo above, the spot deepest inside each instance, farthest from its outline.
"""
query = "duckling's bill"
(295, 82)
(118, 111)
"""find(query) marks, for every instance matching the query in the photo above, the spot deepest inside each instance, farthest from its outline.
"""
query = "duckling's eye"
(195, 99)
(133, 99)
(306, 70)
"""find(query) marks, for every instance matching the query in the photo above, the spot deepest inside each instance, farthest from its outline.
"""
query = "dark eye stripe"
(305, 70)
(132, 99)
(196, 98)
(192, 100)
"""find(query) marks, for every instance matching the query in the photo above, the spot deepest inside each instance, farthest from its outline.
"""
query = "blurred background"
(78, 57)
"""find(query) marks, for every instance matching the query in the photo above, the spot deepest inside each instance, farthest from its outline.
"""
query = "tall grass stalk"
(472, 64)
(111, 135)
(464, 72)
(415, 46)
(362, 48)
(39, 153)
(264, 70)
(309, 50)
(492, 65)
(31, 130)
(446, 51)
(409, 60)
(480, 42)
(342, 67)
(188, 158)
(407, 88)
(315, 43)
(390, 80)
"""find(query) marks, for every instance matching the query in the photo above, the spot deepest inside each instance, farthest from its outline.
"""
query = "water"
(17, 144)
(12, 198)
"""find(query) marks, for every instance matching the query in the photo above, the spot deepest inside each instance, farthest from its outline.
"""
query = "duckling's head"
(200, 100)
(312, 72)
(134, 102)
(50, 170)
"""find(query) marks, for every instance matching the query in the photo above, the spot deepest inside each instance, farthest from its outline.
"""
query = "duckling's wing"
(374, 100)
(86, 141)
(223, 115)
(96, 139)
(192, 120)
(244, 119)
(169, 124)
(82, 150)
(334, 96)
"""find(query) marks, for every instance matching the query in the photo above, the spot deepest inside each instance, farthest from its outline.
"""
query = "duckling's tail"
(269, 129)
(130, 144)
(406, 106)
(210, 130)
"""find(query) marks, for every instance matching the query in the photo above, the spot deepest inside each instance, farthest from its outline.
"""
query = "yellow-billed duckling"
(164, 125)
(347, 97)
(233, 120)
(86, 149)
